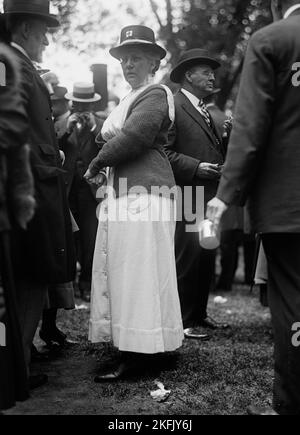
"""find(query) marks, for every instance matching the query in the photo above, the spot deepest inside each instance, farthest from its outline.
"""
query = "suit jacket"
(263, 162)
(191, 142)
(45, 252)
(80, 149)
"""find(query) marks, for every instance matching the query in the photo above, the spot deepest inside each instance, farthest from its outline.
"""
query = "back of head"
(14, 22)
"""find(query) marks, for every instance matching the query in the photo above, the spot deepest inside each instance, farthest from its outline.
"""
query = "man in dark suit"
(263, 166)
(44, 254)
(17, 206)
(80, 148)
(196, 153)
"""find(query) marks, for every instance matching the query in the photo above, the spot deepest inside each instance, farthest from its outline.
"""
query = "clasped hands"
(84, 118)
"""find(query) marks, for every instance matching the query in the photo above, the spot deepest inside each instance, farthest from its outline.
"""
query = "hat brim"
(182, 67)
(117, 52)
(50, 20)
(70, 96)
(56, 98)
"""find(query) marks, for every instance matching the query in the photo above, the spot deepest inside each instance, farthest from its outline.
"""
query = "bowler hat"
(137, 36)
(38, 8)
(59, 93)
(190, 58)
(83, 93)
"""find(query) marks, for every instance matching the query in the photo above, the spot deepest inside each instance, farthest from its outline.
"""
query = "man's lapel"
(217, 133)
(193, 112)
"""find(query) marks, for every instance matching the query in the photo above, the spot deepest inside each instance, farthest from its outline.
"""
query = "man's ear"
(188, 76)
(25, 30)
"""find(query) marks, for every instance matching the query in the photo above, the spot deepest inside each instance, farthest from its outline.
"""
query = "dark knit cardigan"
(137, 153)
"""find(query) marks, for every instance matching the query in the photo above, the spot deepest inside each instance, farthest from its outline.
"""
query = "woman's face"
(136, 66)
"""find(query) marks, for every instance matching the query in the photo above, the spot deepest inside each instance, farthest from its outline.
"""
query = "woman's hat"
(83, 93)
(190, 58)
(140, 36)
(38, 8)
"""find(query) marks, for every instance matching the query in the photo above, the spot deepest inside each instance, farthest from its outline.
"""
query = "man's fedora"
(137, 36)
(83, 93)
(37, 8)
(59, 93)
(190, 58)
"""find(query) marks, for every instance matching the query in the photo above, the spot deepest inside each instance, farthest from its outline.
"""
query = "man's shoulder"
(276, 32)
(25, 66)
(180, 98)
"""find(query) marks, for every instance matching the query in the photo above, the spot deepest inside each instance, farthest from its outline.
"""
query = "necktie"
(205, 113)
(206, 116)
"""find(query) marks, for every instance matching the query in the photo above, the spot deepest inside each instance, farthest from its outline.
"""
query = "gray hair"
(153, 57)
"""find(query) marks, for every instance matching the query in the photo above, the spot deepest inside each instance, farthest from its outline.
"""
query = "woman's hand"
(99, 179)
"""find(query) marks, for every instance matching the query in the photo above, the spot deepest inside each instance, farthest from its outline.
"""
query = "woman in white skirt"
(135, 301)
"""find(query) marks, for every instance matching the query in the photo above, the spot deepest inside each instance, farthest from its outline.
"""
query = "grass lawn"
(221, 376)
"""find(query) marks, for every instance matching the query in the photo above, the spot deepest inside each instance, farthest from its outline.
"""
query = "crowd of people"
(117, 195)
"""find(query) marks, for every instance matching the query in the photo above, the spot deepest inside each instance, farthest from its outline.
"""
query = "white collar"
(21, 49)
(193, 99)
(291, 10)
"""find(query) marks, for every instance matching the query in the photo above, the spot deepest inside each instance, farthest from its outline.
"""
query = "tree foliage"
(221, 26)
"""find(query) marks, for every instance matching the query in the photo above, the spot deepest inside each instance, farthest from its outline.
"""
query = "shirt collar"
(193, 99)
(21, 49)
(291, 10)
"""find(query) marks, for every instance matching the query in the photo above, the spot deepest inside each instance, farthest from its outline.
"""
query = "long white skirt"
(135, 301)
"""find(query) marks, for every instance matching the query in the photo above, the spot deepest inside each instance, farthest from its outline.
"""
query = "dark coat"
(16, 192)
(13, 155)
(263, 162)
(45, 252)
(191, 142)
(80, 149)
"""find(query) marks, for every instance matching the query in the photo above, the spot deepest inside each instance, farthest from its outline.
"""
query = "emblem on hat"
(137, 36)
